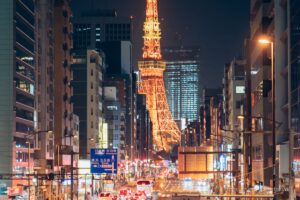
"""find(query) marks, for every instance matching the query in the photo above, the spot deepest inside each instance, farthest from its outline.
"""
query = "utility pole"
(72, 174)
(29, 186)
(58, 162)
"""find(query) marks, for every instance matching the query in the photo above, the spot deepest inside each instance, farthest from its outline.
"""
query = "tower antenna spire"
(152, 32)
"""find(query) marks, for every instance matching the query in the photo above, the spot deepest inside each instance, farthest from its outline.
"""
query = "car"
(105, 196)
(125, 193)
(140, 195)
(144, 186)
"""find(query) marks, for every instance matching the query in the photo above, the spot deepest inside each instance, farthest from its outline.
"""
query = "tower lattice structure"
(165, 131)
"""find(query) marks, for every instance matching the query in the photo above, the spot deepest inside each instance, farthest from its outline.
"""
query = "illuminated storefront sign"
(105, 135)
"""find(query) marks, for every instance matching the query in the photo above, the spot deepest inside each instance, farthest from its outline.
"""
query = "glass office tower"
(17, 88)
(182, 80)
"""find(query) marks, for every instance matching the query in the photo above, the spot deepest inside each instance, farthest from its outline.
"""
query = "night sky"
(217, 26)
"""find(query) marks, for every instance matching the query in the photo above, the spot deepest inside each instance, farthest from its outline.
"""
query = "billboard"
(104, 161)
(195, 162)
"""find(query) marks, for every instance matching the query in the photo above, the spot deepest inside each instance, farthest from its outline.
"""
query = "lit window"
(240, 89)
(112, 107)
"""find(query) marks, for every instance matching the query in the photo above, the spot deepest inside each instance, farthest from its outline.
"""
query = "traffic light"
(51, 176)
(62, 174)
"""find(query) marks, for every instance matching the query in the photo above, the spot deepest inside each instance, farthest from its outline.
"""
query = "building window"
(112, 107)
(116, 136)
(78, 60)
(240, 89)
(92, 72)
(92, 124)
(257, 153)
(92, 85)
(92, 98)
(238, 104)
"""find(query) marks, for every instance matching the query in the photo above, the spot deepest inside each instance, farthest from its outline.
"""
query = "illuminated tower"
(165, 132)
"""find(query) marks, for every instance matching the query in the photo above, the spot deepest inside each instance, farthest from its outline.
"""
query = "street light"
(265, 40)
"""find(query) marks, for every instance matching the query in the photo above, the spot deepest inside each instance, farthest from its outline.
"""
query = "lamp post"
(248, 133)
(269, 41)
(235, 151)
(29, 187)
(69, 150)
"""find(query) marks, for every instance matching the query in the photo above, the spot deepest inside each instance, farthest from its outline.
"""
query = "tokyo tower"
(165, 131)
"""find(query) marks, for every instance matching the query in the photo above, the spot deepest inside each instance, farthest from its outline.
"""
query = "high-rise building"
(114, 112)
(63, 73)
(17, 78)
(28, 65)
(94, 27)
(273, 19)
(260, 62)
(118, 57)
(118, 73)
(293, 81)
(211, 123)
(233, 92)
(44, 155)
(233, 102)
(143, 129)
(63, 106)
(212, 99)
(270, 18)
(294, 24)
(88, 66)
(283, 57)
(117, 113)
(278, 22)
(104, 31)
(182, 80)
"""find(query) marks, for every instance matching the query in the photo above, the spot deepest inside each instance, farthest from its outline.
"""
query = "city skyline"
(198, 23)
(148, 99)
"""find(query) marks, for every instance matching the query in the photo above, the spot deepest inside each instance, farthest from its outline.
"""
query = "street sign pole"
(112, 166)
(104, 161)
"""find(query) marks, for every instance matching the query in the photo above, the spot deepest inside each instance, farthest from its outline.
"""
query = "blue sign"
(104, 161)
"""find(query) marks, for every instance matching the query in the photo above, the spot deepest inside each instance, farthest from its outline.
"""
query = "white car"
(144, 186)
